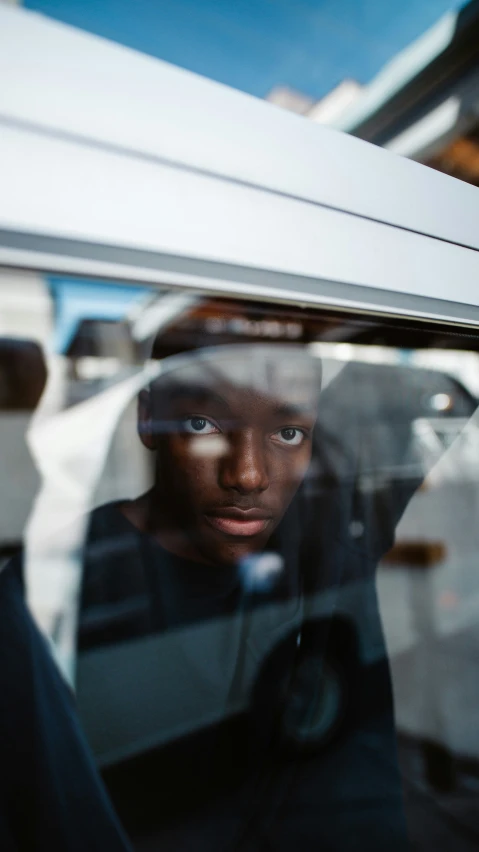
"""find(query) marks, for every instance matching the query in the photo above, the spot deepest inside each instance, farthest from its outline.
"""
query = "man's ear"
(145, 420)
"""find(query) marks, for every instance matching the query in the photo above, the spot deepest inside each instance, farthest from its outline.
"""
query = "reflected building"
(424, 104)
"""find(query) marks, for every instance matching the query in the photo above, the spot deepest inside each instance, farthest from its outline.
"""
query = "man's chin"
(233, 552)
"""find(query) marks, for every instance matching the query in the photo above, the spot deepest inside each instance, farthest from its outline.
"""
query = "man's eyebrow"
(287, 409)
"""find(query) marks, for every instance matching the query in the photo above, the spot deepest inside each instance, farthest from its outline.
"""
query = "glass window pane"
(249, 533)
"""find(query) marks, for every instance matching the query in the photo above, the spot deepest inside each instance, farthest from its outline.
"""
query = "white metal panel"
(67, 190)
(63, 79)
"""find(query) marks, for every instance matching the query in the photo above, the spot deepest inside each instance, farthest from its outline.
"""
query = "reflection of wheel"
(302, 697)
(315, 705)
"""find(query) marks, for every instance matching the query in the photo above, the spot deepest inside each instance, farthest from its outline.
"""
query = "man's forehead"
(286, 373)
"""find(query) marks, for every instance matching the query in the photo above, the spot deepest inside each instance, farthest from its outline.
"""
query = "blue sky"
(253, 45)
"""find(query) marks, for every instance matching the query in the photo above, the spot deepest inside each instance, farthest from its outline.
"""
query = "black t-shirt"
(237, 763)
(51, 796)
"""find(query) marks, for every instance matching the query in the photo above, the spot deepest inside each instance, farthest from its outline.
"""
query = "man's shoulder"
(106, 517)
(113, 554)
(108, 528)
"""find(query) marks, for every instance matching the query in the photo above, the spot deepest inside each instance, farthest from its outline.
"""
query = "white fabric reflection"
(69, 449)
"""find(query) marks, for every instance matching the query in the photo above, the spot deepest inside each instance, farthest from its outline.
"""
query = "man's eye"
(199, 426)
(290, 436)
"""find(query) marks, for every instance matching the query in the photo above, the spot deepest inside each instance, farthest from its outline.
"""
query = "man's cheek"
(296, 473)
(198, 477)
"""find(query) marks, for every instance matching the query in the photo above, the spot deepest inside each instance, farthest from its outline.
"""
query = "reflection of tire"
(302, 697)
(315, 706)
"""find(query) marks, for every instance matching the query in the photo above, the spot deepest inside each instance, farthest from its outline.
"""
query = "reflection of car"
(403, 416)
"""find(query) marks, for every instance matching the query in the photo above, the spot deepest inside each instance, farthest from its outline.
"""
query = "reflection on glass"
(254, 550)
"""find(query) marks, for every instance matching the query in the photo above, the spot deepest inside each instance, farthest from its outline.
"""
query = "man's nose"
(244, 467)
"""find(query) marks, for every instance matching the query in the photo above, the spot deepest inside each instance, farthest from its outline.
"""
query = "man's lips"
(238, 522)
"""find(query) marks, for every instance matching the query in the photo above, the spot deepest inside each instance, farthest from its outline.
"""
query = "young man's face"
(233, 432)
